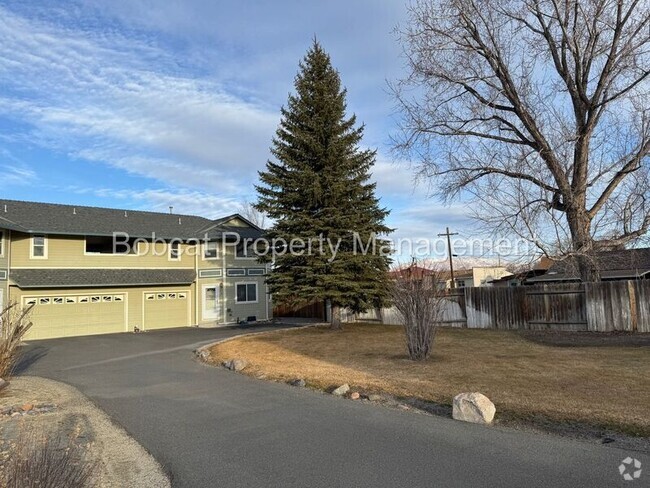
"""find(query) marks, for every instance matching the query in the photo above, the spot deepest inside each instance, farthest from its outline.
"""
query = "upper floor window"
(39, 247)
(110, 245)
(244, 250)
(210, 250)
(174, 251)
(2, 243)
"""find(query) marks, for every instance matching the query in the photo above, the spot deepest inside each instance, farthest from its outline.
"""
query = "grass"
(526, 376)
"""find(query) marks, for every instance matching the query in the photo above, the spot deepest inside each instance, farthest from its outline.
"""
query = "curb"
(203, 352)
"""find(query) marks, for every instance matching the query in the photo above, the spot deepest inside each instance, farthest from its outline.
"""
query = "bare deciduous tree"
(250, 213)
(538, 111)
(420, 301)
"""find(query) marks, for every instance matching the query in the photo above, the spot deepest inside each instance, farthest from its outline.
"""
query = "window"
(236, 272)
(210, 250)
(246, 293)
(209, 273)
(255, 272)
(2, 242)
(110, 245)
(460, 283)
(39, 247)
(174, 251)
(244, 249)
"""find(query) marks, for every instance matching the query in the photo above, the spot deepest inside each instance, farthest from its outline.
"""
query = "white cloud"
(80, 89)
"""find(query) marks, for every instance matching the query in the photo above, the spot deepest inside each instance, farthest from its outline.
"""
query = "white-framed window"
(246, 292)
(2, 243)
(174, 251)
(39, 247)
(245, 250)
(236, 272)
(210, 250)
(460, 283)
(256, 272)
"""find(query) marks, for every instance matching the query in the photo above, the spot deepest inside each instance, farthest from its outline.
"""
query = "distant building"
(473, 277)
(626, 264)
(522, 277)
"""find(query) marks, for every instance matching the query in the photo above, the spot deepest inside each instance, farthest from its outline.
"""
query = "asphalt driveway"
(212, 428)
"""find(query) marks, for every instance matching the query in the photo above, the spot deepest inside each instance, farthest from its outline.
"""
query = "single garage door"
(76, 315)
(163, 310)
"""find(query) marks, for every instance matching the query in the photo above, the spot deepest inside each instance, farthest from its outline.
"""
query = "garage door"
(75, 315)
(163, 310)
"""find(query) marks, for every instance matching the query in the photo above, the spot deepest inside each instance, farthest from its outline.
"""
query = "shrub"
(40, 461)
(14, 324)
(420, 301)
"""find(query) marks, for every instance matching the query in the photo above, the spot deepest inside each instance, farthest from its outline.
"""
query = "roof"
(81, 278)
(415, 272)
(612, 265)
(50, 218)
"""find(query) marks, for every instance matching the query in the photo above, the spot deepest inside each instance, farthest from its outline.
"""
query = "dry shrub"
(40, 461)
(14, 324)
(420, 301)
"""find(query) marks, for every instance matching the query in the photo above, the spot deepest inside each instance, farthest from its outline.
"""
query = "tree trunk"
(336, 318)
(583, 244)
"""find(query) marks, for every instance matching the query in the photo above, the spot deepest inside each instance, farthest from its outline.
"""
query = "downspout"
(9, 240)
(223, 280)
(196, 283)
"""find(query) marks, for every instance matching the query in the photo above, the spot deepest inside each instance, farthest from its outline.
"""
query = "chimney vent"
(179, 221)
(74, 210)
(126, 214)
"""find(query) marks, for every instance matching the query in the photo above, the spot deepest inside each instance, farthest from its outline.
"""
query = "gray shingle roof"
(81, 278)
(49, 218)
(626, 263)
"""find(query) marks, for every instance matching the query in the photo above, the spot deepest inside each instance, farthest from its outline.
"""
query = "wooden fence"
(602, 307)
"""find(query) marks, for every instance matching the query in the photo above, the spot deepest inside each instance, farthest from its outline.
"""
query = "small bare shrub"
(420, 301)
(14, 324)
(40, 461)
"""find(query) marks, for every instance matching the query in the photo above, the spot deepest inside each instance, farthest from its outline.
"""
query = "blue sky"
(148, 104)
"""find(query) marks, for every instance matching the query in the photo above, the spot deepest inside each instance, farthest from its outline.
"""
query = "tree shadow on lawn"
(586, 339)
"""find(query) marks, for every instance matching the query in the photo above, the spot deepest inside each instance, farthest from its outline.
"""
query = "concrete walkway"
(212, 428)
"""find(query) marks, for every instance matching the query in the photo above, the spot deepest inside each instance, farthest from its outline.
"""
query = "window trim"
(2, 243)
(171, 244)
(45, 246)
(246, 283)
(205, 247)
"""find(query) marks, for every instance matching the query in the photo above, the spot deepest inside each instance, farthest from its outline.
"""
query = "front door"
(210, 302)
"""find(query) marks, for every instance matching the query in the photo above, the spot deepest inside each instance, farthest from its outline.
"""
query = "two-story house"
(90, 270)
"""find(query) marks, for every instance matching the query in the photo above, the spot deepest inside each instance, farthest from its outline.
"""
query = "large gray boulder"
(473, 407)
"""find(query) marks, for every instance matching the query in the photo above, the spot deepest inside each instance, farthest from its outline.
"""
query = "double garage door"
(88, 314)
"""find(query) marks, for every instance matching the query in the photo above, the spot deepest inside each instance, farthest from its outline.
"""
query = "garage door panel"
(164, 310)
(76, 315)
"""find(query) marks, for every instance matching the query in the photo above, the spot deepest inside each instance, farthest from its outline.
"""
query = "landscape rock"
(300, 383)
(354, 395)
(27, 407)
(473, 407)
(341, 390)
(235, 364)
(374, 397)
(3, 384)
(202, 354)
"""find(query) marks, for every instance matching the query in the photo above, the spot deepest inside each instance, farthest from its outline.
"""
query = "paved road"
(213, 428)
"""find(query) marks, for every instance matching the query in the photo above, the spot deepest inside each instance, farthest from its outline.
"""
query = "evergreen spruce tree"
(319, 187)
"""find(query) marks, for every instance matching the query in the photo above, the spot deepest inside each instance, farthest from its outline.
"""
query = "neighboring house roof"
(612, 265)
(82, 278)
(49, 218)
(523, 275)
(411, 272)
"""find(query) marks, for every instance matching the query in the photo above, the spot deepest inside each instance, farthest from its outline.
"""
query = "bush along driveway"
(211, 427)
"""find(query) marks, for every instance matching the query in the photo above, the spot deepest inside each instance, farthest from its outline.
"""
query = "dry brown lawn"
(601, 385)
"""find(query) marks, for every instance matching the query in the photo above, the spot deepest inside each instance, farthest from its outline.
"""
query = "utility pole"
(451, 261)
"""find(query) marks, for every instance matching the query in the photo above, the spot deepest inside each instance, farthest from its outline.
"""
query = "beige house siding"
(4, 267)
(69, 252)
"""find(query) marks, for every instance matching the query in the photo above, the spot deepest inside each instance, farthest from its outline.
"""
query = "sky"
(145, 105)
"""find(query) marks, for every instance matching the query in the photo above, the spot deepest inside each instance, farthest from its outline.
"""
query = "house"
(623, 264)
(522, 277)
(464, 278)
(93, 270)
(473, 277)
